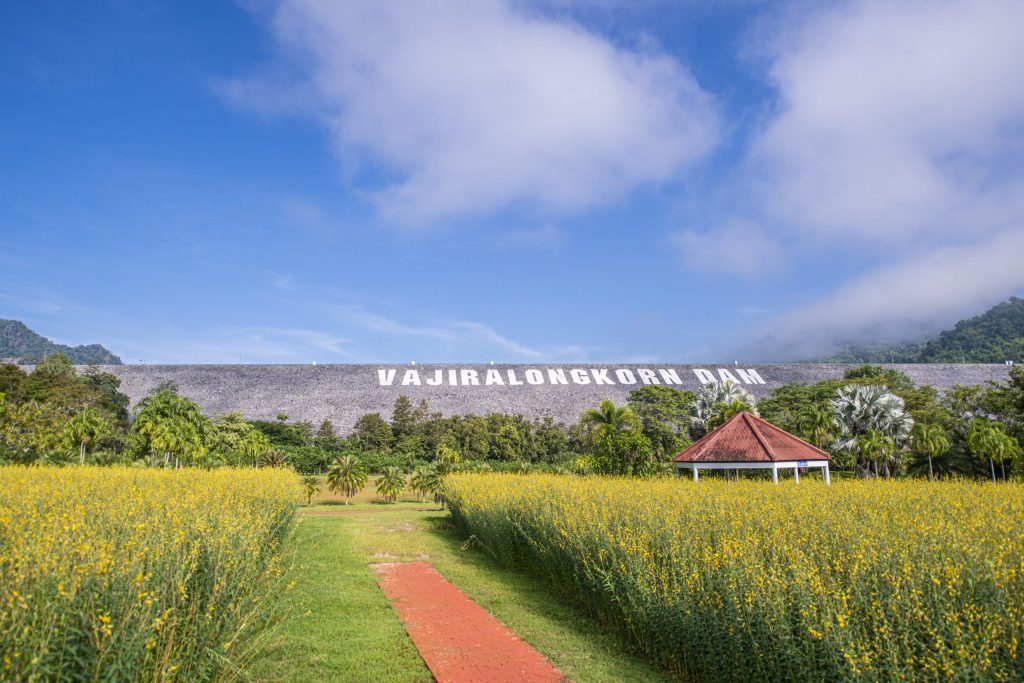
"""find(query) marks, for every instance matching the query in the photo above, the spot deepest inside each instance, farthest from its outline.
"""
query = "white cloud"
(738, 247)
(917, 294)
(896, 119)
(473, 107)
(896, 139)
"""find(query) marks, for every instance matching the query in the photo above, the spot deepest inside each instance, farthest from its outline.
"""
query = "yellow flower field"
(131, 574)
(865, 580)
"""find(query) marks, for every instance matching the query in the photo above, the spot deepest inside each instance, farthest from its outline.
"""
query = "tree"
(989, 439)
(391, 483)
(254, 446)
(372, 433)
(713, 399)
(873, 444)
(85, 428)
(817, 424)
(608, 420)
(276, 457)
(403, 417)
(863, 408)
(423, 481)
(310, 488)
(930, 440)
(168, 423)
(664, 413)
(346, 476)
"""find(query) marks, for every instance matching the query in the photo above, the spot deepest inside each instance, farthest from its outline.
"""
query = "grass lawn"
(340, 627)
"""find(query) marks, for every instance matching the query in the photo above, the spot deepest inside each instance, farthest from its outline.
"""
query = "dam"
(342, 393)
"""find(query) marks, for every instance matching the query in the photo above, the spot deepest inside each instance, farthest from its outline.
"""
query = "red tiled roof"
(746, 438)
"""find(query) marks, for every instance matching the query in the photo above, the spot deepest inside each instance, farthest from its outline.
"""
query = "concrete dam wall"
(342, 393)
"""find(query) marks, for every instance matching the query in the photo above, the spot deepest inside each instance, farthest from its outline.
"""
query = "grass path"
(341, 628)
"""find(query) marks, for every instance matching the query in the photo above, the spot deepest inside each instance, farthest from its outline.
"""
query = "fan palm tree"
(310, 487)
(930, 440)
(860, 409)
(391, 483)
(713, 400)
(84, 428)
(346, 476)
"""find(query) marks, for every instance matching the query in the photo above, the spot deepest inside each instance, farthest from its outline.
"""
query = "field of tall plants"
(134, 574)
(719, 580)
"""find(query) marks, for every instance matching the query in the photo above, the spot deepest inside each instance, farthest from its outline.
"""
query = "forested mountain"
(20, 344)
(995, 336)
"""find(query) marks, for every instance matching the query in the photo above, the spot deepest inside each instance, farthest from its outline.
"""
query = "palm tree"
(421, 482)
(818, 424)
(275, 458)
(84, 428)
(310, 487)
(930, 440)
(873, 444)
(861, 409)
(714, 399)
(171, 424)
(607, 420)
(987, 438)
(346, 476)
(391, 483)
(254, 446)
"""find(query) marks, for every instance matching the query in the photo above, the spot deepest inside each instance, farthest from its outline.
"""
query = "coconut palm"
(930, 440)
(84, 428)
(254, 445)
(987, 439)
(346, 476)
(310, 487)
(860, 409)
(391, 483)
(873, 444)
(714, 399)
(818, 424)
(608, 420)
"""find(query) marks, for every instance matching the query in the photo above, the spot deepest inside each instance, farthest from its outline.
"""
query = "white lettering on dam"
(514, 377)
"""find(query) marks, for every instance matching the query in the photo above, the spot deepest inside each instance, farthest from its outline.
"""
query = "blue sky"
(549, 180)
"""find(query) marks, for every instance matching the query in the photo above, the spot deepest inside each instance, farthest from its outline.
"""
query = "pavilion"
(747, 442)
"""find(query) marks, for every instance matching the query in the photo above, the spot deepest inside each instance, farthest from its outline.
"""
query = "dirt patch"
(458, 639)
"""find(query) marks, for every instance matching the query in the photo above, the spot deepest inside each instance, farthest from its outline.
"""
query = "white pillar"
(775, 473)
(796, 473)
(828, 479)
(696, 476)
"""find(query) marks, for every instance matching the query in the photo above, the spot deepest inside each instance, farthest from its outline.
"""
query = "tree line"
(874, 421)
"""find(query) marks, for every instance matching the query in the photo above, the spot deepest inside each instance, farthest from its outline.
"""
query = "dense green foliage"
(54, 415)
(995, 336)
(19, 343)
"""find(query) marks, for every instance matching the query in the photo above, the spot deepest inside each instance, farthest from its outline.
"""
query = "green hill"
(995, 336)
(18, 343)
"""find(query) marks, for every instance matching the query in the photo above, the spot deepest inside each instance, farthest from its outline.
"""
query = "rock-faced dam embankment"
(341, 393)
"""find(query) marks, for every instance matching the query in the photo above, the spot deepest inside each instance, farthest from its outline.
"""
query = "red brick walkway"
(457, 638)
